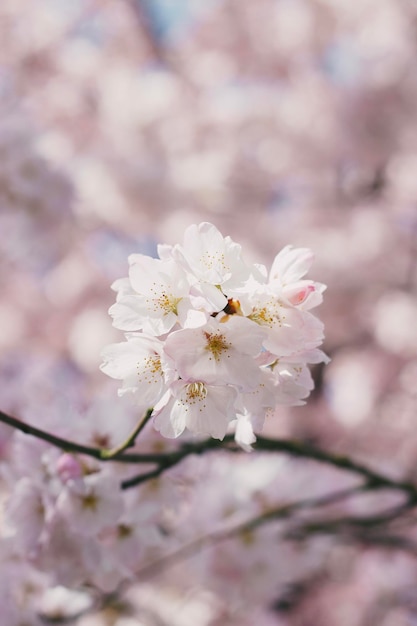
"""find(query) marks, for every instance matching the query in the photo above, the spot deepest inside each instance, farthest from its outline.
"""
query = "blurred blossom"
(395, 327)
(408, 376)
(351, 386)
(341, 61)
(58, 603)
(89, 333)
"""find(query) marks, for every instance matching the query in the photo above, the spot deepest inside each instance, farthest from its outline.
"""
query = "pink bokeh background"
(280, 121)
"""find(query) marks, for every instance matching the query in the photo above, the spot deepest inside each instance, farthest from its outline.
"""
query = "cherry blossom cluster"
(66, 520)
(69, 533)
(213, 342)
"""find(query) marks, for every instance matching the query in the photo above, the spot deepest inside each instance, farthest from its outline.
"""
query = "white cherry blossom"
(214, 260)
(291, 264)
(137, 362)
(155, 299)
(201, 408)
(289, 330)
(218, 353)
(293, 383)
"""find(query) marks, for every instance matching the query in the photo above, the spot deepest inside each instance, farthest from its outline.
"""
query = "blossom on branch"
(213, 343)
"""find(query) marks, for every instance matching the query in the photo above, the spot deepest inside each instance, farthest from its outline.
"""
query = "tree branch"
(72, 446)
(166, 460)
(334, 526)
(300, 449)
(130, 441)
(223, 534)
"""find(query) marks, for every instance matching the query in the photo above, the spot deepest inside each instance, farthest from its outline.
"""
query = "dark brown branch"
(72, 446)
(166, 460)
(361, 523)
(300, 449)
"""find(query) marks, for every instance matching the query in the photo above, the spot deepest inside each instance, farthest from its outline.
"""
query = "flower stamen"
(216, 344)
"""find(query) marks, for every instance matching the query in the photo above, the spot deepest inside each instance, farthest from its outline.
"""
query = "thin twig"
(282, 512)
(287, 511)
(130, 441)
(72, 446)
(364, 523)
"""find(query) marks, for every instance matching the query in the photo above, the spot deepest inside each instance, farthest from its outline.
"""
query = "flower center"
(213, 260)
(149, 369)
(216, 344)
(269, 315)
(161, 300)
(195, 392)
(123, 531)
(168, 303)
(90, 501)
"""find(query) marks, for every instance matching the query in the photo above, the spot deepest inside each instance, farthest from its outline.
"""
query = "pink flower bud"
(68, 467)
(300, 295)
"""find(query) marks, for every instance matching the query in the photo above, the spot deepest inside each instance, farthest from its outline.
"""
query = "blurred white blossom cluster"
(66, 514)
(35, 196)
(211, 340)
(70, 537)
(25, 174)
